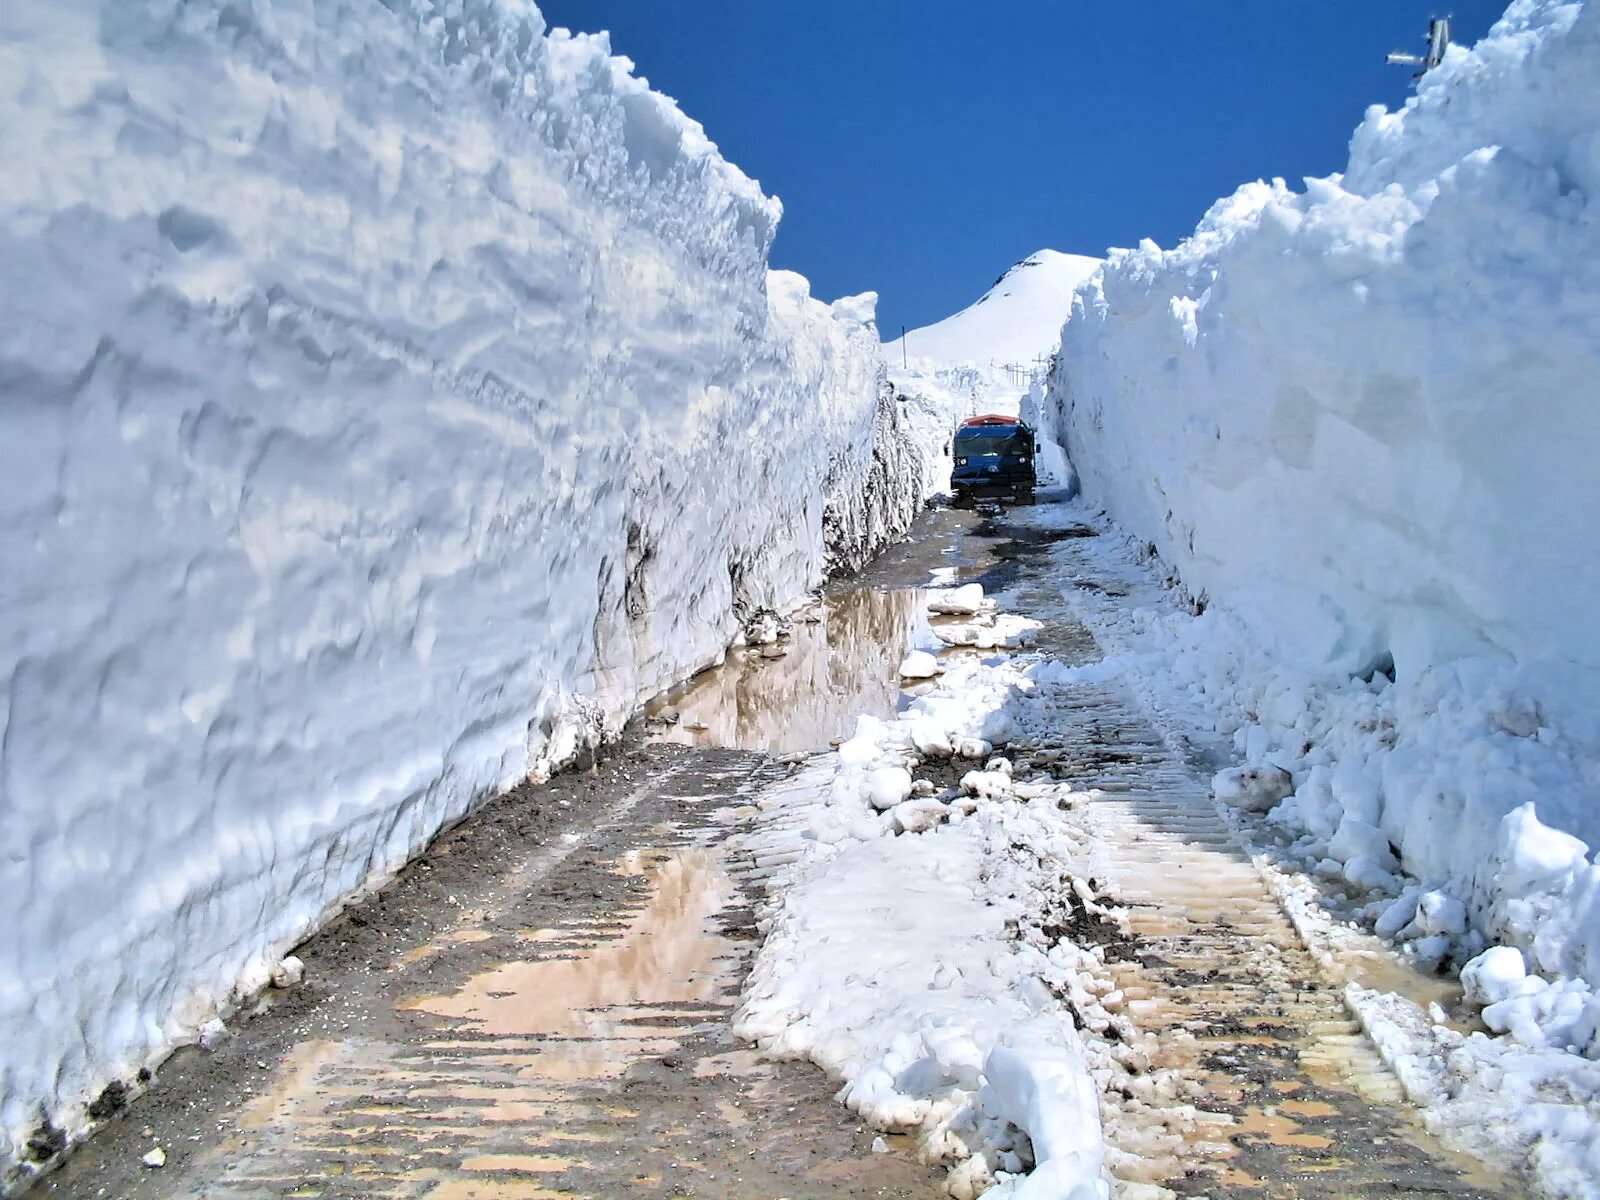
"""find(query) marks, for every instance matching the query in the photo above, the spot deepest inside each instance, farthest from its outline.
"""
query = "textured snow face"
(394, 394)
(1360, 419)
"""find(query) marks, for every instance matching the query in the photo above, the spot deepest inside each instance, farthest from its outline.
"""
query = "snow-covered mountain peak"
(1016, 320)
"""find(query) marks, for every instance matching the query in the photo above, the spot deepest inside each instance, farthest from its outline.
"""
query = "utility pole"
(903, 363)
(1438, 43)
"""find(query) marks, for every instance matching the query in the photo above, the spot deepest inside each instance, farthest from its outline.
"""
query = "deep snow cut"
(1357, 420)
(396, 395)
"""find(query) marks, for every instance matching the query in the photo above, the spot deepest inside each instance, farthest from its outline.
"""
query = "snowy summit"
(1016, 320)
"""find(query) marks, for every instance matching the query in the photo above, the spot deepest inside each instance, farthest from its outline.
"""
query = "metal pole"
(903, 363)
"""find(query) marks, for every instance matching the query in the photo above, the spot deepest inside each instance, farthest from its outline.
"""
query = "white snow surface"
(1357, 421)
(1016, 320)
(1528, 1096)
(890, 955)
(395, 394)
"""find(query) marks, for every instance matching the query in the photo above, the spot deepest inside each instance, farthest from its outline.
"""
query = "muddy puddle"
(595, 999)
(840, 658)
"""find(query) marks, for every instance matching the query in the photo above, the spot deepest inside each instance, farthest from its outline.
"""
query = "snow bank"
(905, 951)
(1352, 745)
(395, 394)
(1359, 418)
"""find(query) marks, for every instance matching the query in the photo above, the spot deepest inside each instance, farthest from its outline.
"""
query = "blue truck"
(992, 456)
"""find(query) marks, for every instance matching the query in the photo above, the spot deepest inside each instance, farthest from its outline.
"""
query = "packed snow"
(890, 956)
(397, 395)
(1528, 1097)
(1355, 421)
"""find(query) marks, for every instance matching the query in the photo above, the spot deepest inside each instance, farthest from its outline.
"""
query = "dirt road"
(540, 1006)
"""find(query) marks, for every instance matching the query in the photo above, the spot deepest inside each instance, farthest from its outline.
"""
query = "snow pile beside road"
(1360, 419)
(914, 939)
(395, 396)
(1347, 747)
(890, 958)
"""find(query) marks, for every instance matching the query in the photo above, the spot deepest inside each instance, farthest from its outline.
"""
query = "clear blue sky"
(921, 148)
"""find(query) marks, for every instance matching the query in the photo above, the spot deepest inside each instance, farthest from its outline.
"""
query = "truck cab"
(990, 456)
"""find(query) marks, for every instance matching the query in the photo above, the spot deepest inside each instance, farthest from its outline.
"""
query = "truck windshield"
(970, 445)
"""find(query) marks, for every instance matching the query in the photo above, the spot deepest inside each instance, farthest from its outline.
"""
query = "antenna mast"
(1438, 43)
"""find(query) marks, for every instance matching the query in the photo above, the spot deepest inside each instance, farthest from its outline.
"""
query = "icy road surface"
(542, 1005)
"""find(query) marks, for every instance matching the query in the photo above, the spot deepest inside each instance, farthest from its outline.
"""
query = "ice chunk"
(1254, 788)
(288, 973)
(887, 787)
(1046, 1091)
(1357, 839)
(959, 601)
(919, 815)
(1494, 975)
(1440, 913)
(919, 664)
(929, 740)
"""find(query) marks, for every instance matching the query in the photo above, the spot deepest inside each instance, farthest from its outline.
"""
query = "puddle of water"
(596, 1013)
(296, 1078)
(531, 1164)
(427, 950)
(842, 659)
(1280, 1130)
(1377, 967)
(495, 1189)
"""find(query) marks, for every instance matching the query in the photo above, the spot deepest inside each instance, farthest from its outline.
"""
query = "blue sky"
(921, 148)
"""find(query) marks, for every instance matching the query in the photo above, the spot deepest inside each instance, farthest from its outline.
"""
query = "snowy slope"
(394, 395)
(957, 368)
(1359, 419)
(1016, 320)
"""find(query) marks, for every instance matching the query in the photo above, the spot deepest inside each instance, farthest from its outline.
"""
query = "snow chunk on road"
(1254, 788)
(890, 961)
(887, 787)
(919, 664)
(960, 601)
(1495, 975)
(1046, 1091)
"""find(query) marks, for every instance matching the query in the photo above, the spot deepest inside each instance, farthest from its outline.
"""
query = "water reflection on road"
(840, 660)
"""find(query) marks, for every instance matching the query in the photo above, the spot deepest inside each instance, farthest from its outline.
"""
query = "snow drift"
(395, 393)
(903, 948)
(1360, 418)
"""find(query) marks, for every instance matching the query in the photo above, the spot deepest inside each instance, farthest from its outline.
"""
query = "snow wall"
(1362, 417)
(394, 394)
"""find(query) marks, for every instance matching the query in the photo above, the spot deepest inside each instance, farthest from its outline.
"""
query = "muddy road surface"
(540, 1005)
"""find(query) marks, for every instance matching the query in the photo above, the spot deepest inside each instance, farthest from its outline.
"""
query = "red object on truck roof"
(991, 419)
